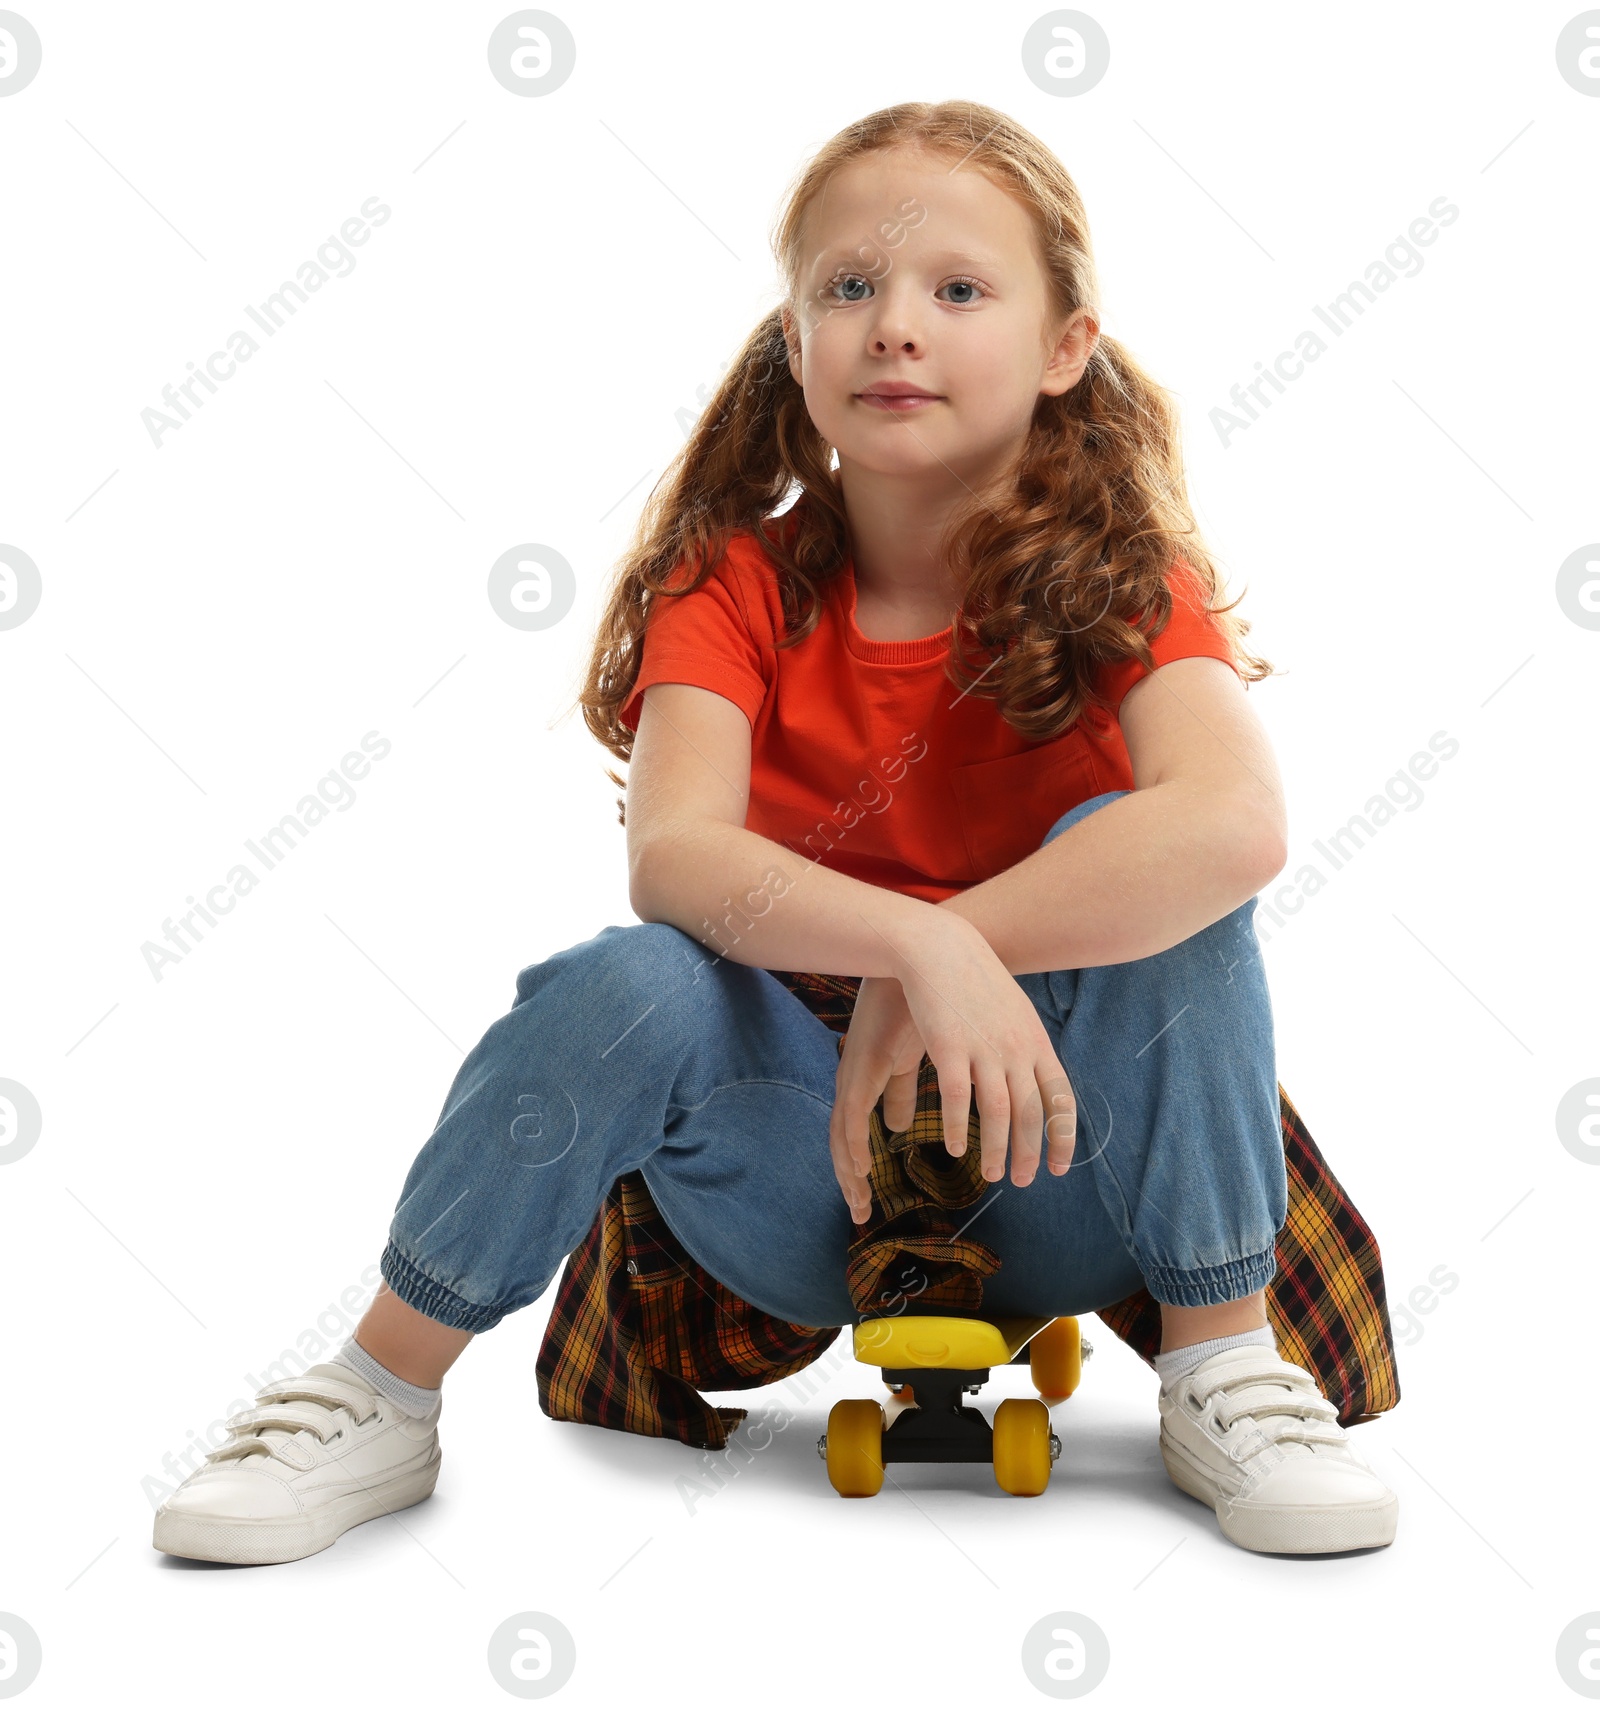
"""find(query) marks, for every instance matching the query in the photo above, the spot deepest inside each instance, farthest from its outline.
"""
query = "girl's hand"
(882, 1055)
(959, 1004)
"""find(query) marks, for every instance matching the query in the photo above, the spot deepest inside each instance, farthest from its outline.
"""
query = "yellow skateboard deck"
(933, 1341)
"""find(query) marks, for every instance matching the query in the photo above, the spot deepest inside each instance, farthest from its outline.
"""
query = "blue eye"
(844, 278)
(840, 278)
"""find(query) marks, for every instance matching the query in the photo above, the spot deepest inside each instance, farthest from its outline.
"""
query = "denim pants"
(638, 1050)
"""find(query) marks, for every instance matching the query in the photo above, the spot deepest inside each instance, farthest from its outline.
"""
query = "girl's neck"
(903, 587)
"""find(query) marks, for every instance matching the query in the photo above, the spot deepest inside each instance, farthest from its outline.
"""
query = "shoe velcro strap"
(290, 1451)
(282, 1414)
(1312, 1432)
(1266, 1371)
(332, 1392)
(1279, 1430)
(1266, 1390)
(1274, 1402)
(1276, 1429)
(243, 1432)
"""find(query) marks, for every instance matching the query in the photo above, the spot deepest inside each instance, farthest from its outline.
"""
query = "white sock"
(1175, 1363)
(410, 1399)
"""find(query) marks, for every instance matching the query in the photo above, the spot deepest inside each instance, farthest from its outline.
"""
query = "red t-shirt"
(863, 754)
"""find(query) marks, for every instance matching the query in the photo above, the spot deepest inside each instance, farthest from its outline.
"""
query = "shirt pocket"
(651, 1255)
(1005, 807)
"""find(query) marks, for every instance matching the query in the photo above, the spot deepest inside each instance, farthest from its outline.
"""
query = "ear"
(1071, 354)
(791, 339)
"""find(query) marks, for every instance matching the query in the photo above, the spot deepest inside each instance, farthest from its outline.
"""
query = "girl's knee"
(636, 961)
(1082, 811)
(1226, 950)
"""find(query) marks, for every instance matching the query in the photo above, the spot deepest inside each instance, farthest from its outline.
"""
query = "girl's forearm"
(755, 902)
(1130, 880)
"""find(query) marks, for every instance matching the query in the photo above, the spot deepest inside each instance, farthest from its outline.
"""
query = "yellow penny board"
(928, 1340)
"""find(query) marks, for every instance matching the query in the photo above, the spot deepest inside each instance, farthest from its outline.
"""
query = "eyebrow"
(938, 258)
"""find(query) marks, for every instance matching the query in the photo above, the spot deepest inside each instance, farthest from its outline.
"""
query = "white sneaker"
(1252, 1435)
(319, 1455)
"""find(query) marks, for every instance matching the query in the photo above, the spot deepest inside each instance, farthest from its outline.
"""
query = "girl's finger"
(955, 1101)
(900, 1100)
(854, 1097)
(994, 1116)
(843, 1169)
(1027, 1125)
(1060, 1117)
(857, 1131)
(849, 1141)
(854, 1188)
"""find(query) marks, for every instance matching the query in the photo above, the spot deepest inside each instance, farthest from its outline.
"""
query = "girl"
(913, 657)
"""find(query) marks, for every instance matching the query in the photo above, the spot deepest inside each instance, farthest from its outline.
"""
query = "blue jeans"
(637, 1050)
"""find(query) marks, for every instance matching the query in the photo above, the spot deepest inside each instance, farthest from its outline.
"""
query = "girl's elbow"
(1269, 857)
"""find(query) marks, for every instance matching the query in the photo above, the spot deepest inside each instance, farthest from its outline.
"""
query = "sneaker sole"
(234, 1539)
(1299, 1531)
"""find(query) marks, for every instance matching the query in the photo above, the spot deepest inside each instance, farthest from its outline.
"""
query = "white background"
(307, 560)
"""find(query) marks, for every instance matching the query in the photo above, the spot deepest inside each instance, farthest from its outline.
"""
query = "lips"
(898, 398)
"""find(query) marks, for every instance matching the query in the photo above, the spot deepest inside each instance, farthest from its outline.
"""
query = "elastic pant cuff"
(427, 1295)
(1210, 1285)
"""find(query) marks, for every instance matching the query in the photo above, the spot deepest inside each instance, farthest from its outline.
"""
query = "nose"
(894, 327)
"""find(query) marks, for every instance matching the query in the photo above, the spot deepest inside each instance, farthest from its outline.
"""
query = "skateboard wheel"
(1022, 1446)
(1055, 1360)
(854, 1448)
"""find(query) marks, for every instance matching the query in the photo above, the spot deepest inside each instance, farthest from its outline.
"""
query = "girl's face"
(928, 277)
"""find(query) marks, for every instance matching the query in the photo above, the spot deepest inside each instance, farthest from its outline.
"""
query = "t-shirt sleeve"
(706, 638)
(1191, 632)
